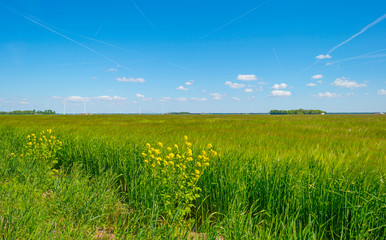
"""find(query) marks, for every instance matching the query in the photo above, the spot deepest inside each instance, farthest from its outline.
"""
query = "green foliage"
(298, 177)
(296, 112)
(176, 171)
(29, 112)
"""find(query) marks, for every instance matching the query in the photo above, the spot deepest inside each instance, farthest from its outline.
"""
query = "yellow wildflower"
(160, 144)
(169, 149)
(146, 161)
(171, 155)
(143, 154)
(176, 146)
(198, 164)
(206, 164)
(189, 153)
(178, 156)
(186, 138)
(209, 145)
(188, 144)
(197, 172)
(148, 145)
(171, 163)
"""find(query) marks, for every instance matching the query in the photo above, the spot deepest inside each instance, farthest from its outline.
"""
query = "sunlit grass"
(299, 177)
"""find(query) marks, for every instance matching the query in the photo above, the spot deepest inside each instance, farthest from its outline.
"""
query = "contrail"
(357, 34)
(142, 13)
(233, 20)
(41, 22)
(366, 55)
(112, 45)
(346, 41)
(78, 43)
(37, 22)
(277, 59)
(98, 30)
(373, 54)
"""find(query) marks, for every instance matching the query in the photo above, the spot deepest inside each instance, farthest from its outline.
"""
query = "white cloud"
(344, 82)
(24, 102)
(190, 82)
(321, 56)
(279, 86)
(94, 78)
(199, 99)
(165, 99)
(77, 99)
(236, 98)
(139, 95)
(280, 93)
(182, 99)
(317, 76)
(182, 88)
(381, 92)
(133, 80)
(108, 98)
(320, 81)
(112, 70)
(203, 90)
(327, 95)
(311, 84)
(217, 96)
(234, 85)
(246, 77)
(147, 99)
(248, 90)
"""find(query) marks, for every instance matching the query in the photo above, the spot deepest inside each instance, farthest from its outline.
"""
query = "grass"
(275, 177)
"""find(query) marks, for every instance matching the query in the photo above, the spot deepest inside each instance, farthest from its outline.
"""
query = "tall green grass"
(276, 177)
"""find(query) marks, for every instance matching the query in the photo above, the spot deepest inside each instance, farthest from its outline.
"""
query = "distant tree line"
(296, 112)
(177, 113)
(29, 112)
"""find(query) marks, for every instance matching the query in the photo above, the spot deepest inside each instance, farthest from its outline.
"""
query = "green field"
(274, 177)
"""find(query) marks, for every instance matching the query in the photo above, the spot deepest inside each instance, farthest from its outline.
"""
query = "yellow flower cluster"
(44, 146)
(175, 161)
(177, 170)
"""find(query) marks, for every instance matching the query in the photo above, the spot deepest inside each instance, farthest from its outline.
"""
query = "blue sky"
(197, 56)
